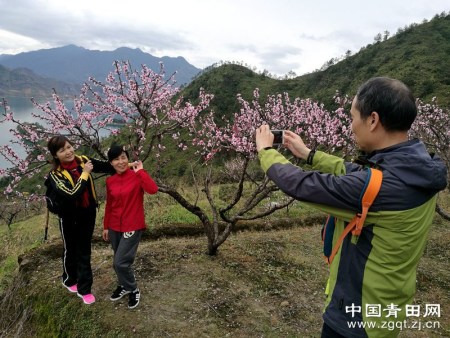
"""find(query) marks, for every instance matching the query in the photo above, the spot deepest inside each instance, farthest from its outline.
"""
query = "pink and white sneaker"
(87, 299)
(72, 288)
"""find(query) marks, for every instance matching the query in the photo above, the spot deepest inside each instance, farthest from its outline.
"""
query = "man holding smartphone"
(278, 137)
(378, 267)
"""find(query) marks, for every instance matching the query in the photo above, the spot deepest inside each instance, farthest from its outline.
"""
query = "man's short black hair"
(115, 151)
(391, 99)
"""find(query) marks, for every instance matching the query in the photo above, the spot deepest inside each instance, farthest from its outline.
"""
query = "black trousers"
(76, 229)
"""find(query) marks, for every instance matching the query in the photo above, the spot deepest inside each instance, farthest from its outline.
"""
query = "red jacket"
(124, 209)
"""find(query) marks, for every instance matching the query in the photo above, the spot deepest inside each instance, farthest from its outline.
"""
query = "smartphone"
(278, 137)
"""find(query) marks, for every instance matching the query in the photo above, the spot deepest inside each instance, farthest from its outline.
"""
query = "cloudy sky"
(277, 35)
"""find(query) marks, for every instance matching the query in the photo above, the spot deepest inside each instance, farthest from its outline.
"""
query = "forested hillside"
(419, 55)
(22, 82)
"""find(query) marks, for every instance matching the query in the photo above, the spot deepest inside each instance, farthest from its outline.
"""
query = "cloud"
(57, 26)
(278, 36)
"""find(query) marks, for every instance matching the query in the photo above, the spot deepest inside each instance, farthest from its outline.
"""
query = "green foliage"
(227, 192)
(225, 82)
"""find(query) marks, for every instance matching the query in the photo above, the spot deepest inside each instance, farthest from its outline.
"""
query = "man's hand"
(264, 137)
(295, 144)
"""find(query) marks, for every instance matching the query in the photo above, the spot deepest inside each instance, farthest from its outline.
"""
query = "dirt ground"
(261, 284)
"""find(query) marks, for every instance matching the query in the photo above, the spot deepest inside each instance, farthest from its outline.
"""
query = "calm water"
(22, 109)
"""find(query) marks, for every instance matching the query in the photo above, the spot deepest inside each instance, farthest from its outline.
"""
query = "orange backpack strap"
(370, 192)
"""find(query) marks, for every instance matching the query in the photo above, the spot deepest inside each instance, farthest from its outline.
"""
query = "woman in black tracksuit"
(71, 179)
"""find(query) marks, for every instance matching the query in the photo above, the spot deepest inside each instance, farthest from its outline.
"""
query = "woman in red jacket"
(124, 221)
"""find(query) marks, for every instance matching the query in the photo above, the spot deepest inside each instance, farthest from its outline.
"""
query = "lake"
(22, 109)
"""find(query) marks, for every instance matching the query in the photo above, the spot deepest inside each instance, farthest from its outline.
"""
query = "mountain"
(75, 64)
(23, 82)
(226, 81)
(419, 55)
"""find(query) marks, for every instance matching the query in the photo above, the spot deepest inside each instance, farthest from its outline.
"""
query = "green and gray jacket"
(379, 266)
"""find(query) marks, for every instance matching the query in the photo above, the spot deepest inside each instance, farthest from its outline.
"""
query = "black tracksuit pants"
(77, 228)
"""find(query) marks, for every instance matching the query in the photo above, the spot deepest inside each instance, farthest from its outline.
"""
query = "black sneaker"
(119, 293)
(133, 299)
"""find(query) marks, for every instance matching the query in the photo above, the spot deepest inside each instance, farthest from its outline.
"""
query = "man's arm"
(332, 189)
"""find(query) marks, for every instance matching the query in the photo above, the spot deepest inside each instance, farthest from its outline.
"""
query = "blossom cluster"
(319, 128)
(147, 108)
(432, 126)
(138, 104)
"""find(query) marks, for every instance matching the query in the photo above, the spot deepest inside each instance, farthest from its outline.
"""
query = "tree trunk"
(207, 226)
(212, 249)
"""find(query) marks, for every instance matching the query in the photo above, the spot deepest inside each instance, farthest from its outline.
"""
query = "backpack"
(52, 198)
(368, 195)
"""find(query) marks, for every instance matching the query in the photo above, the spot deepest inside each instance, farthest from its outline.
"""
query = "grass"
(261, 284)
(163, 210)
(164, 214)
(186, 293)
(23, 236)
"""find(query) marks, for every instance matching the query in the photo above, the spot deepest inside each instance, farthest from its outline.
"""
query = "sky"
(274, 35)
